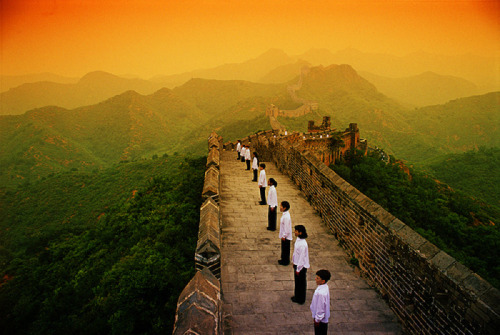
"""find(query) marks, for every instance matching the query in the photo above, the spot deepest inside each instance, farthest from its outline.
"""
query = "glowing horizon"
(157, 37)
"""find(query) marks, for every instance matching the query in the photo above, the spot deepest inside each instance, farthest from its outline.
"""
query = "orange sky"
(150, 37)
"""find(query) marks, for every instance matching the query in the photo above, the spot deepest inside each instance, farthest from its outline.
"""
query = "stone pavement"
(256, 289)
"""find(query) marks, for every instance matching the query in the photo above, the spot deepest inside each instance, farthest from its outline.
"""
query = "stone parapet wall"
(199, 308)
(429, 290)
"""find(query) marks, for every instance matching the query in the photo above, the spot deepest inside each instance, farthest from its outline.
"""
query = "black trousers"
(242, 158)
(272, 215)
(254, 175)
(248, 164)
(285, 251)
(238, 156)
(322, 329)
(300, 284)
(263, 195)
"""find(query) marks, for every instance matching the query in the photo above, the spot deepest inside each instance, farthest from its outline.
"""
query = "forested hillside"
(475, 172)
(99, 253)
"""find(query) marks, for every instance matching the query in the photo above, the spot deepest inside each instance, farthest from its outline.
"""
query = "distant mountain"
(130, 125)
(284, 73)
(90, 89)
(346, 97)
(482, 71)
(8, 82)
(251, 70)
(460, 125)
(413, 135)
(124, 127)
(216, 96)
(425, 89)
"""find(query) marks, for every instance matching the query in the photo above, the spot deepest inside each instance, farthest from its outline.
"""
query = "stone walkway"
(257, 290)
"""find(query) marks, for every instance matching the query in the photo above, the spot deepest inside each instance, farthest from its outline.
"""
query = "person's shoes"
(280, 262)
(271, 229)
(296, 301)
(262, 203)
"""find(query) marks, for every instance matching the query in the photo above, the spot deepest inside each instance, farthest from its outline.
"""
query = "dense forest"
(456, 223)
(475, 172)
(99, 253)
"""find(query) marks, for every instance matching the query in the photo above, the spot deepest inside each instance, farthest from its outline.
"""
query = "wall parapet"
(199, 308)
(429, 290)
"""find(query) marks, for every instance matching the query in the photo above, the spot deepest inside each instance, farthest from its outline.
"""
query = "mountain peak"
(97, 75)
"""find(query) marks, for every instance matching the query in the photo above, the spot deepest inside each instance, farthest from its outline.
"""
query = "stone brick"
(211, 184)
(213, 158)
(198, 307)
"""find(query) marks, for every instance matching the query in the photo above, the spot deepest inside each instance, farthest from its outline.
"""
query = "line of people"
(320, 304)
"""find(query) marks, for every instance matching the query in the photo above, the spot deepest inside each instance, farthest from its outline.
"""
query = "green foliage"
(451, 220)
(118, 273)
(476, 172)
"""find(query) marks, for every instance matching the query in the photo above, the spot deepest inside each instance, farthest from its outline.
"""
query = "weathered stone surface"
(442, 261)
(410, 237)
(211, 185)
(213, 158)
(209, 239)
(198, 307)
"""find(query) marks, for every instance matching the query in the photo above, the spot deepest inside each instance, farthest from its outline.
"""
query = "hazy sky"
(150, 37)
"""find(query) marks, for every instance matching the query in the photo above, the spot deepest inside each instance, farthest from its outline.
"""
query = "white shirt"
(320, 304)
(301, 254)
(238, 147)
(255, 164)
(242, 151)
(286, 226)
(262, 178)
(272, 197)
(247, 154)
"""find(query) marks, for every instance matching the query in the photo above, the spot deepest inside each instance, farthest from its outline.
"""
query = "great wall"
(426, 289)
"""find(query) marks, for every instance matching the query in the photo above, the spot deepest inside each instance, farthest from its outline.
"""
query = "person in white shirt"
(262, 184)
(242, 153)
(272, 201)
(238, 149)
(300, 261)
(255, 166)
(247, 157)
(320, 304)
(285, 233)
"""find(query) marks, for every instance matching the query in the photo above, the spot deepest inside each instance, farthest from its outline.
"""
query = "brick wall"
(429, 290)
(199, 305)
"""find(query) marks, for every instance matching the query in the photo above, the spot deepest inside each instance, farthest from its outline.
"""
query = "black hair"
(255, 154)
(286, 205)
(262, 165)
(273, 182)
(324, 274)
(301, 229)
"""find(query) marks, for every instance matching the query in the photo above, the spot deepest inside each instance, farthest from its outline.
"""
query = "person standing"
(238, 149)
(272, 201)
(242, 153)
(320, 304)
(262, 184)
(285, 233)
(247, 157)
(255, 166)
(300, 261)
